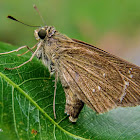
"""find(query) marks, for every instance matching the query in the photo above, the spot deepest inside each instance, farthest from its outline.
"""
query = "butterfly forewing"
(103, 80)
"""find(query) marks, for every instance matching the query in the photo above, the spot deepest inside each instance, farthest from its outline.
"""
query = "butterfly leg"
(73, 105)
(55, 87)
(22, 47)
(29, 49)
(38, 47)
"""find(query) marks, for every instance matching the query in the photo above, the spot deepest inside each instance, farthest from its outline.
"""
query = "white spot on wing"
(131, 69)
(130, 75)
(126, 83)
(93, 90)
(104, 75)
(123, 97)
(99, 88)
(125, 87)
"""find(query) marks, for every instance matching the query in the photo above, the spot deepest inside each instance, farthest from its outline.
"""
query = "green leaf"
(26, 107)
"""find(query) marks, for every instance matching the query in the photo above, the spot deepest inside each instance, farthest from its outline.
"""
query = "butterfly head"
(44, 32)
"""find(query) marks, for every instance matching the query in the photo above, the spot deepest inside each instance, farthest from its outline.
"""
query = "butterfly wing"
(99, 79)
(130, 74)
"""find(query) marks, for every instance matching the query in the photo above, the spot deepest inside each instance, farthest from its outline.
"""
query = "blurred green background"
(113, 25)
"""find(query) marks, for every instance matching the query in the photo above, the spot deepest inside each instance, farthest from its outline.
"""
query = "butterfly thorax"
(50, 41)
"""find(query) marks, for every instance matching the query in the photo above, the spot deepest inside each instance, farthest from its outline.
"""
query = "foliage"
(26, 112)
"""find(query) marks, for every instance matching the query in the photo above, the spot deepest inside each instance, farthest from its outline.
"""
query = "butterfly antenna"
(35, 7)
(11, 17)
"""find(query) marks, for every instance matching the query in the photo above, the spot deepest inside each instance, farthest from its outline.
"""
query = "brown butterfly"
(88, 74)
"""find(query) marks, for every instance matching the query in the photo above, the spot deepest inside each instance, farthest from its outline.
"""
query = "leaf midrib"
(37, 106)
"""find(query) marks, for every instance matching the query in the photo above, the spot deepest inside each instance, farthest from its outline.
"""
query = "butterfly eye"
(42, 34)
